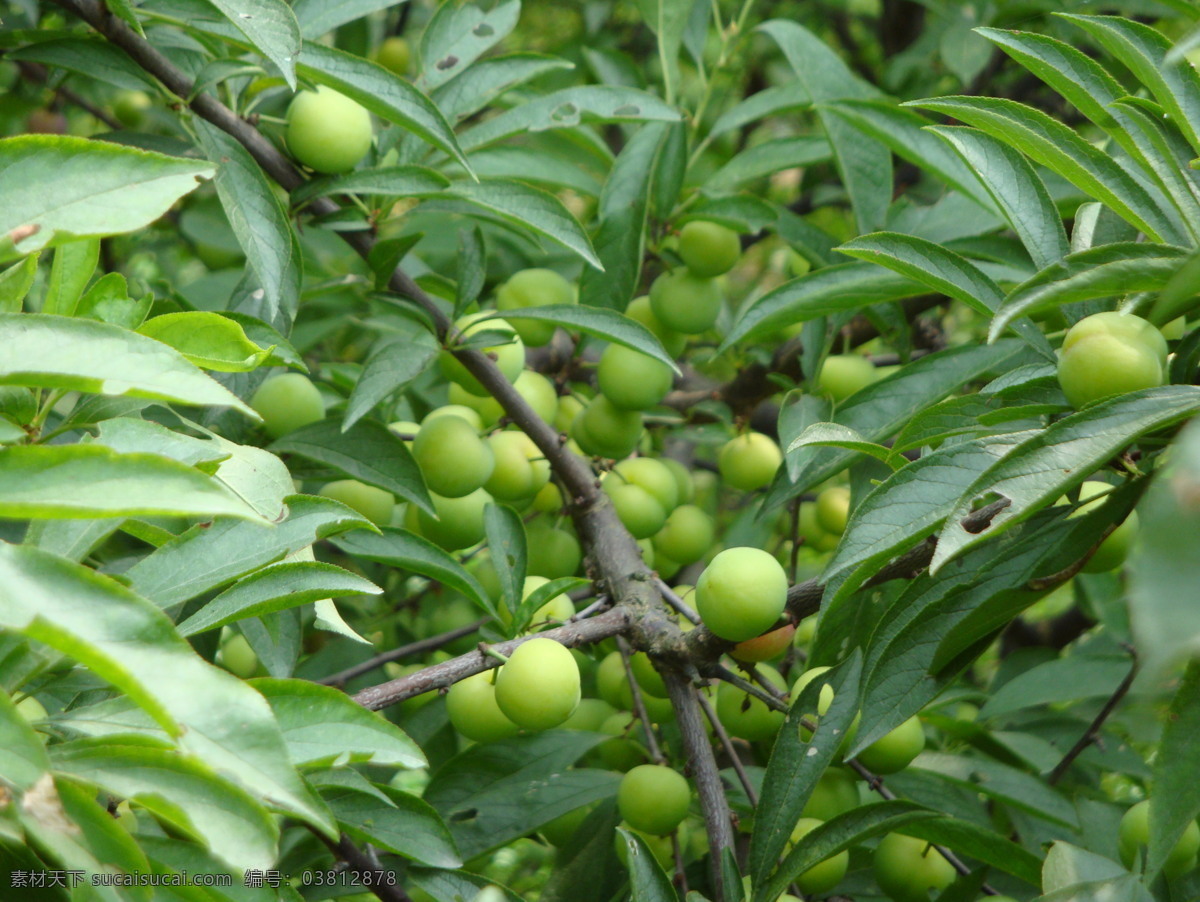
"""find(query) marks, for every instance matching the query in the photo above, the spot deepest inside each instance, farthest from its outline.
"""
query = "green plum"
(823, 877)
(749, 462)
(453, 459)
(709, 249)
(687, 536)
(741, 593)
(842, 375)
(509, 352)
(473, 710)
(907, 868)
(632, 380)
(684, 302)
(538, 688)
(745, 716)
(653, 799)
(374, 504)
(328, 131)
(1134, 837)
(640, 309)
(521, 469)
(1110, 354)
(286, 402)
(534, 288)
(394, 54)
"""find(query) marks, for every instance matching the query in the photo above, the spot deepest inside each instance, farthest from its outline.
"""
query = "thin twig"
(730, 750)
(404, 651)
(383, 882)
(591, 610)
(1093, 729)
(675, 601)
(639, 704)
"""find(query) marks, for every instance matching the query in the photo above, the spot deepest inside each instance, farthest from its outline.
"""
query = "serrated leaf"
(57, 184)
(135, 647)
(1068, 679)
(127, 435)
(1060, 457)
(833, 435)
(487, 79)
(458, 34)
(647, 880)
(271, 28)
(70, 273)
(1176, 794)
(15, 283)
(404, 824)
(392, 181)
(540, 596)
(86, 481)
(506, 543)
(1002, 782)
(319, 17)
(323, 725)
(91, 57)
(275, 588)
(394, 361)
(368, 451)
(25, 759)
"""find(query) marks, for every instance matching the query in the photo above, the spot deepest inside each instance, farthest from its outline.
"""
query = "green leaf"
(838, 833)
(1166, 625)
(84, 355)
(1069, 679)
(181, 790)
(882, 408)
(84, 481)
(70, 273)
(487, 79)
(568, 108)
(789, 97)
(999, 781)
(1059, 458)
(458, 34)
(206, 557)
(108, 300)
(128, 435)
(527, 208)
(1069, 866)
(319, 17)
(795, 765)
(1016, 189)
(208, 340)
(980, 843)
(384, 93)
(832, 289)
(91, 57)
(539, 596)
(392, 181)
(394, 362)
(25, 759)
(135, 647)
(506, 542)
(15, 283)
(1100, 272)
(493, 793)
(258, 477)
(667, 19)
(398, 548)
(1176, 795)
(323, 725)
(766, 159)
(647, 880)
(404, 824)
(1143, 50)
(368, 451)
(271, 27)
(600, 322)
(863, 163)
(832, 435)
(624, 207)
(1062, 151)
(81, 188)
(276, 588)
(258, 219)
(945, 272)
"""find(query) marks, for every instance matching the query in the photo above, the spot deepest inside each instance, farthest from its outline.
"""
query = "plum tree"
(907, 868)
(473, 710)
(328, 131)
(684, 302)
(453, 459)
(653, 798)
(1110, 354)
(749, 461)
(286, 402)
(373, 503)
(741, 593)
(823, 877)
(708, 248)
(1134, 836)
(538, 687)
(632, 380)
(534, 288)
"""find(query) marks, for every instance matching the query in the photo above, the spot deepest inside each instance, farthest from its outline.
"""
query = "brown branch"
(447, 673)
(639, 704)
(360, 862)
(727, 744)
(703, 768)
(1093, 730)
(404, 651)
(37, 72)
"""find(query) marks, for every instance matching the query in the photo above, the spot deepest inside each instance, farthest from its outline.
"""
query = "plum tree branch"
(403, 651)
(1093, 730)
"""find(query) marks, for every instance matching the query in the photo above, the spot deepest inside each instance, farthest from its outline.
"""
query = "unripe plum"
(1134, 837)
(842, 375)
(823, 877)
(765, 647)
(374, 504)
(454, 460)
(521, 468)
(833, 509)
(612, 682)
(632, 380)
(459, 522)
(1110, 354)
(286, 402)
(835, 793)
(687, 535)
(748, 462)
(538, 688)
(745, 716)
(550, 552)
(473, 710)
(654, 799)
(907, 868)
(894, 751)
(648, 679)
(709, 249)
(603, 430)
(636, 508)
(1116, 546)
(654, 476)
(394, 55)
(639, 309)
(328, 131)
(741, 594)
(534, 288)
(684, 302)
